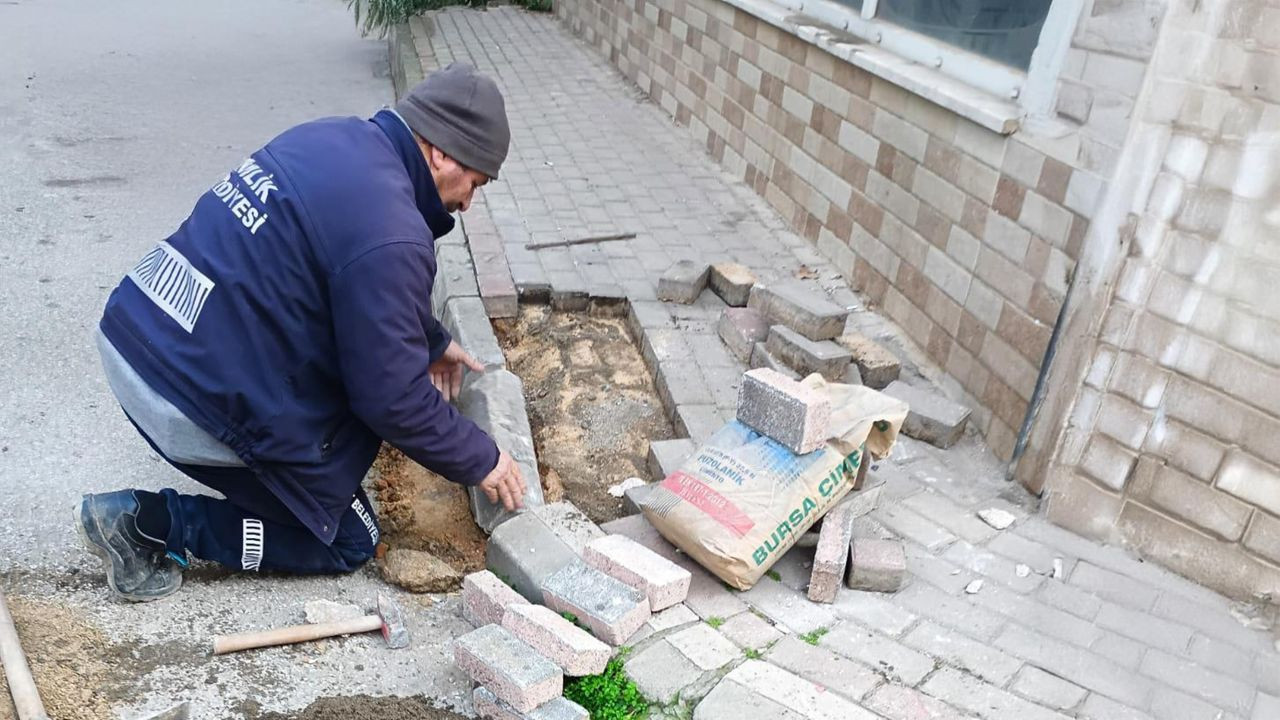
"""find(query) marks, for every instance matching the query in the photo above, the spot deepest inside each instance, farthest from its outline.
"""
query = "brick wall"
(966, 238)
(1172, 443)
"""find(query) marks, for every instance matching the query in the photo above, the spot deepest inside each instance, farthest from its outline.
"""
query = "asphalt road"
(114, 117)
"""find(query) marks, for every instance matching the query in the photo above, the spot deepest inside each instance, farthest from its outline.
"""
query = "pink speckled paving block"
(512, 670)
(560, 641)
(831, 557)
(662, 581)
(489, 707)
(773, 404)
(485, 598)
(613, 610)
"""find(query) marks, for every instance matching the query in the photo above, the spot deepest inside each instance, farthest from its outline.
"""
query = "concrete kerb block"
(455, 277)
(877, 366)
(525, 552)
(800, 308)
(741, 329)
(612, 610)
(557, 639)
(666, 456)
(466, 320)
(494, 401)
(783, 409)
(877, 565)
(932, 418)
(570, 524)
(662, 581)
(808, 356)
(732, 282)
(683, 282)
(762, 358)
(508, 667)
(485, 598)
(488, 706)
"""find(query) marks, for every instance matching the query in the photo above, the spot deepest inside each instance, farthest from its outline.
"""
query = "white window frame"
(1033, 90)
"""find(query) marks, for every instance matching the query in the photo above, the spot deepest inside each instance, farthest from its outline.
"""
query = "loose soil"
(69, 660)
(592, 404)
(365, 708)
(420, 510)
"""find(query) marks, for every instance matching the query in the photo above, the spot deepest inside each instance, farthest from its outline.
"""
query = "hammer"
(389, 620)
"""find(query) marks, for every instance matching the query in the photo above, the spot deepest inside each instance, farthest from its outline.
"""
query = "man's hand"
(446, 373)
(504, 483)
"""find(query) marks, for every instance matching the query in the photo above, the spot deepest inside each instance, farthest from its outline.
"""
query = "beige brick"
(1205, 409)
(985, 304)
(963, 247)
(981, 143)
(1188, 450)
(1007, 278)
(1007, 237)
(1123, 75)
(903, 136)
(861, 144)
(1107, 461)
(932, 118)
(827, 93)
(1009, 364)
(977, 179)
(1138, 379)
(797, 104)
(947, 274)
(1263, 537)
(1022, 163)
(892, 197)
(1123, 421)
(938, 193)
(1078, 505)
(1046, 219)
(1182, 496)
(1249, 479)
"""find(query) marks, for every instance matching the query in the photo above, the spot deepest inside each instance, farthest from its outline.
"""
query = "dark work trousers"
(253, 530)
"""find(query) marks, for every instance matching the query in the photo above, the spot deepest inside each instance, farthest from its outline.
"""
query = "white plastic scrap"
(973, 587)
(621, 488)
(997, 518)
(1022, 570)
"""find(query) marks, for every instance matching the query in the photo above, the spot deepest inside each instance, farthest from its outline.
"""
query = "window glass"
(855, 4)
(1004, 30)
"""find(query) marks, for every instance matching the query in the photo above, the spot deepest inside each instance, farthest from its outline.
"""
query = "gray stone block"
(455, 277)
(612, 610)
(784, 410)
(570, 524)
(513, 671)
(808, 356)
(666, 456)
(494, 401)
(762, 358)
(741, 329)
(683, 282)
(852, 375)
(524, 552)
(878, 367)
(698, 422)
(801, 308)
(878, 565)
(932, 418)
(487, 705)
(466, 320)
(732, 282)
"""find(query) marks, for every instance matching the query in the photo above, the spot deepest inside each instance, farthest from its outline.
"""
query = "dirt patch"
(419, 510)
(68, 660)
(592, 404)
(363, 708)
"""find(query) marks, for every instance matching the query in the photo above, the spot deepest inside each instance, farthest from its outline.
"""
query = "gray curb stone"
(468, 323)
(523, 551)
(494, 400)
(932, 417)
(455, 277)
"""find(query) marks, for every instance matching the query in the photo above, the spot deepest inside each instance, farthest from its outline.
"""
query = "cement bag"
(742, 499)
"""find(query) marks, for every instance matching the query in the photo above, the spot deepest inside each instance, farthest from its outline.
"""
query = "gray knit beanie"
(461, 112)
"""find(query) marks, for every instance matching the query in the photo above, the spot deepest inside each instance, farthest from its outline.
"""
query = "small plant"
(813, 637)
(570, 617)
(752, 653)
(773, 575)
(715, 622)
(611, 695)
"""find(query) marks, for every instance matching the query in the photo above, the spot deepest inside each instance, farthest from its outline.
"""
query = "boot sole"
(99, 548)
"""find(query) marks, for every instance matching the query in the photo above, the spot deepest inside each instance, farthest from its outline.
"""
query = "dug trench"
(593, 410)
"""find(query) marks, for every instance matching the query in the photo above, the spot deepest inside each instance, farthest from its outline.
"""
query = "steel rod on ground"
(580, 241)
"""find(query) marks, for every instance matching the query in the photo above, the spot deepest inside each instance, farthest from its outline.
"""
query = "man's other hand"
(504, 483)
(446, 373)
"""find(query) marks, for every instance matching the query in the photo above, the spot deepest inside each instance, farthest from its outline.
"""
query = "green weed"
(813, 637)
(611, 695)
(715, 622)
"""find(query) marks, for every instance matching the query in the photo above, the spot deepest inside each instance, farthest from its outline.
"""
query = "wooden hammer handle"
(223, 644)
(22, 687)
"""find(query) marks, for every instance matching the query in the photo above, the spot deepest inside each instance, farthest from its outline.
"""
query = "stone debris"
(666, 456)
(800, 308)
(611, 609)
(1058, 572)
(485, 598)
(683, 282)
(783, 409)
(762, 358)
(419, 571)
(620, 489)
(509, 668)
(662, 581)
(327, 611)
(932, 417)
(997, 518)
(877, 565)
(974, 587)
(808, 356)
(560, 641)
(741, 328)
(732, 282)
(1022, 570)
(489, 707)
(878, 366)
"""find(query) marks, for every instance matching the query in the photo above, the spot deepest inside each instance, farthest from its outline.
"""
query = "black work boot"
(138, 566)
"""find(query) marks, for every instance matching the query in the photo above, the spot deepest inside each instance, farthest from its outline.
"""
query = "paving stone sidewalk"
(1060, 627)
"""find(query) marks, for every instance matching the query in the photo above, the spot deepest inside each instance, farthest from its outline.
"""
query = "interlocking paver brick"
(611, 609)
(1216, 688)
(683, 282)
(660, 671)
(1266, 706)
(898, 662)
(992, 566)
(872, 609)
(662, 581)
(1045, 619)
(822, 666)
(1170, 704)
(1144, 628)
(784, 410)
(732, 282)
(512, 670)
(1113, 586)
(878, 366)
(1100, 707)
(557, 639)
(932, 417)
(485, 598)
(954, 612)
(524, 551)
(666, 456)
(489, 707)
(982, 699)
(831, 556)
(800, 307)
(940, 509)
(960, 651)
(1220, 656)
(879, 565)
(704, 647)
(750, 631)
(786, 607)
(807, 356)
(1077, 665)
(914, 526)
(900, 703)
(792, 691)
(1047, 689)
(762, 358)
(741, 329)
(1120, 650)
